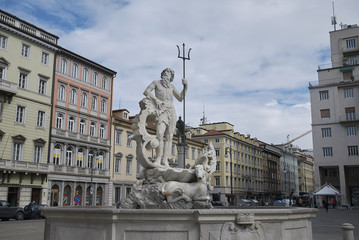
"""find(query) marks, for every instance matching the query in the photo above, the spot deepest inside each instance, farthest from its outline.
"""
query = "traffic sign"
(77, 199)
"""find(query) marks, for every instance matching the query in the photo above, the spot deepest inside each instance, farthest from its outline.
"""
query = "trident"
(184, 58)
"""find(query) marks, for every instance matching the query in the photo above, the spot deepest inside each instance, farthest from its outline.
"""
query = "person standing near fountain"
(165, 112)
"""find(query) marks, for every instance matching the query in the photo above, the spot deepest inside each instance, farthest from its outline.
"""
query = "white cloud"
(251, 60)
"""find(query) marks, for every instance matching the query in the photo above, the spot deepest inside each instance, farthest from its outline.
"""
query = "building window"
(57, 155)
(351, 131)
(348, 92)
(129, 166)
(129, 140)
(226, 166)
(59, 120)
(61, 93)
(95, 78)
(218, 166)
(327, 151)
(80, 157)
(102, 131)
(217, 181)
(40, 119)
(2, 72)
(94, 103)
(85, 75)
(100, 161)
(84, 100)
(25, 50)
(45, 58)
(92, 129)
(353, 150)
(17, 151)
(73, 96)
(351, 43)
(42, 86)
(118, 137)
(217, 140)
(347, 75)
(323, 95)
(326, 132)
(206, 141)
(69, 155)
(350, 114)
(352, 60)
(324, 113)
(104, 83)
(193, 153)
(22, 80)
(3, 42)
(20, 114)
(75, 70)
(82, 126)
(90, 160)
(38, 153)
(71, 126)
(63, 66)
(103, 106)
(217, 152)
(118, 165)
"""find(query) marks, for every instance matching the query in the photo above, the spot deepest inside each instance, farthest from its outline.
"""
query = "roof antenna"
(334, 19)
(203, 119)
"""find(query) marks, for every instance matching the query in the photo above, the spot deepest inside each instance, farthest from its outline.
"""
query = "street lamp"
(230, 153)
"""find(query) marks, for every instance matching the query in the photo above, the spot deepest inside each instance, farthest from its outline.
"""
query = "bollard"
(348, 231)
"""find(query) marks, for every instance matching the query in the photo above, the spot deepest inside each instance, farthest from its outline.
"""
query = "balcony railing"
(8, 87)
(349, 118)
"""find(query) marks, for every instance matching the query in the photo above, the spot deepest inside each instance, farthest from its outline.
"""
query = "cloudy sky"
(251, 60)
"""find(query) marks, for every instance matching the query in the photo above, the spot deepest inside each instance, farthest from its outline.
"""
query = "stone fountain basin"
(101, 223)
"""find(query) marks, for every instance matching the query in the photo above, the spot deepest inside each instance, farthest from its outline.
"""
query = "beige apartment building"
(335, 119)
(27, 56)
(239, 171)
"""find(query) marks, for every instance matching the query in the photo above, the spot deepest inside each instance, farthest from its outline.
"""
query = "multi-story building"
(80, 131)
(27, 56)
(289, 172)
(334, 107)
(124, 165)
(305, 172)
(239, 171)
(271, 172)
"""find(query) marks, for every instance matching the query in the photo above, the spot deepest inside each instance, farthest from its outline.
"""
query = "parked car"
(32, 211)
(244, 202)
(7, 211)
(217, 203)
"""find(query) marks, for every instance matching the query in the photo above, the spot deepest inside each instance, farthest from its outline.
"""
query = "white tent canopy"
(327, 190)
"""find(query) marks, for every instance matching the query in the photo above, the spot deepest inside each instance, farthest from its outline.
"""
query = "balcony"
(348, 118)
(7, 88)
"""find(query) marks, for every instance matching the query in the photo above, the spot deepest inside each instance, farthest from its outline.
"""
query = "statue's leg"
(159, 150)
(167, 148)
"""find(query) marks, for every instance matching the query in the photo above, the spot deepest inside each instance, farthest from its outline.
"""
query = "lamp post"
(231, 180)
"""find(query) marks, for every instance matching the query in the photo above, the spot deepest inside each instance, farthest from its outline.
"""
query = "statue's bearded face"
(167, 75)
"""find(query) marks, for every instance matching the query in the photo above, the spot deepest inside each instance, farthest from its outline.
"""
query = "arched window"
(78, 192)
(67, 196)
(73, 96)
(85, 75)
(103, 106)
(88, 196)
(93, 129)
(94, 103)
(102, 131)
(99, 196)
(62, 93)
(59, 120)
(69, 156)
(57, 155)
(63, 66)
(80, 157)
(100, 160)
(71, 126)
(104, 83)
(82, 126)
(75, 70)
(95, 78)
(84, 100)
(54, 196)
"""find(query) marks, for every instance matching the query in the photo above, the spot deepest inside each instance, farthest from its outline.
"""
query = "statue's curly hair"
(171, 71)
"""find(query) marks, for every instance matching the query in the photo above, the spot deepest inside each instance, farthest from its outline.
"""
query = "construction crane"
(290, 141)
